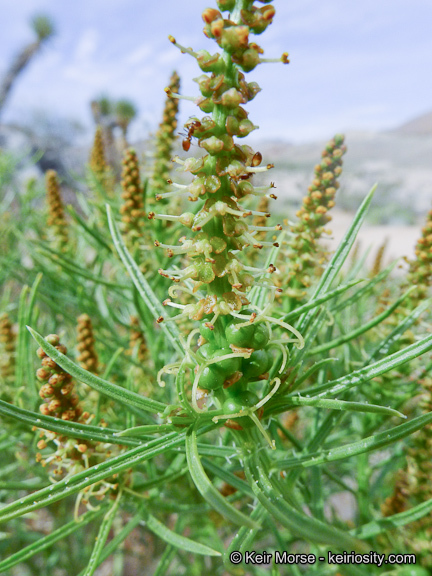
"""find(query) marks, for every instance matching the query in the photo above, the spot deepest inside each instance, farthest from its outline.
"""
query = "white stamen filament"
(168, 369)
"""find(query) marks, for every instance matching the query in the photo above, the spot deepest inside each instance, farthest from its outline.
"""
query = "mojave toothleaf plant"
(235, 422)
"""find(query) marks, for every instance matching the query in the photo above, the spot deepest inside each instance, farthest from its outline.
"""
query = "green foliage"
(43, 26)
(240, 421)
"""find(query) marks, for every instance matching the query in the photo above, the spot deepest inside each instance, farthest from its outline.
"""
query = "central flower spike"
(235, 337)
(222, 177)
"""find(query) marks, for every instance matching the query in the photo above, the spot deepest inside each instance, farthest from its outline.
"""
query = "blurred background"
(362, 69)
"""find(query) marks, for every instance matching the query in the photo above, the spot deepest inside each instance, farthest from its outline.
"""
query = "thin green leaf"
(71, 429)
(228, 477)
(270, 496)
(317, 301)
(149, 297)
(212, 496)
(103, 386)
(21, 359)
(92, 232)
(81, 480)
(145, 429)
(362, 375)
(339, 257)
(372, 529)
(368, 444)
(175, 539)
(362, 328)
(385, 345)
(105, 527)
(317, 366)
(244, 538)
(113, 544)
(333, 267)
(330, 404)
(71, 267)
(49, 540)
(359, 294)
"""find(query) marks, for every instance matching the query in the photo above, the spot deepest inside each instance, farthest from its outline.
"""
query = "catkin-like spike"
(98, 163)
(132, 210)
(137, 341)
(57, 389)
(70, 456)
(377, 265)
(165, 138)
(8, 343)
(97, 160)
(304, 252)
(88, 357)
(56, 217)
(420, 270)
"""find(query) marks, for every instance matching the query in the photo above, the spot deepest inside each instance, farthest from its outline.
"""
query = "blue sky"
(354, 65)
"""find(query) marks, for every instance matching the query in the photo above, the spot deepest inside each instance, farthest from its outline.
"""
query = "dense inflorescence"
(234, 344)
(133, 206)
(65, 455)
(8, 343)
(420, 271)
(137, 342)
(88, 357)
(57, 391)
(97, 160)
(165, 139)
(56, 217)
(303, 249)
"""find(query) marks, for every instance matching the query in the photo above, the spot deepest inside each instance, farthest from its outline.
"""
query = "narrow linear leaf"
(244, 538)
(317, 366)
(81, 480)
(87, 228)
(228, 477)
(145, 429)
(95, 558)
(317, 301)
(21, 360)
(385, 345)
(71, 429)
(113, 544)
(212, 496)
(333, 267)
(103, 386)
(164, 563)
(376, 527)
(368, 444)
(74, 484)
(339, 257)
(175, 539)
(361, 292)
(49, 540)
(68, 265)
(301, 525)
(367, 373)
(149, 297)
(318, 402)
(362, 328)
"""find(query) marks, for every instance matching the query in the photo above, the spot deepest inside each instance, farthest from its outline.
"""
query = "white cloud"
(87, 44)
(139, 55)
